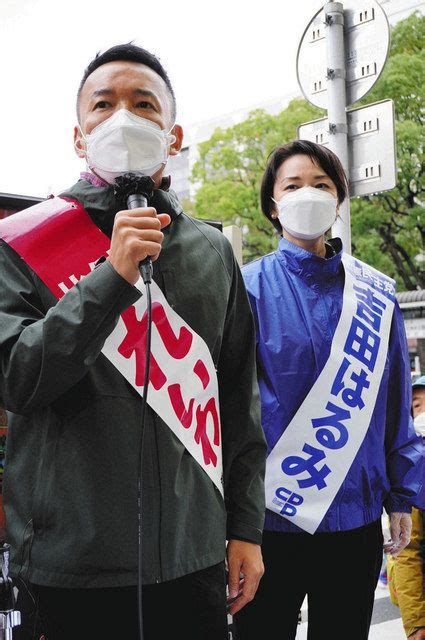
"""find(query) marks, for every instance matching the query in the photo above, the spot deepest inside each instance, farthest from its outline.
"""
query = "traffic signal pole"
(337, 102)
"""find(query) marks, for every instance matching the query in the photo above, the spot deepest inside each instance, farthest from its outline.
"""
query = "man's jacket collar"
(101, 204)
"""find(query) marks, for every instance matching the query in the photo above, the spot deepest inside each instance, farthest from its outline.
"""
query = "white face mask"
(419, 424)
(307, 213)
(126, 142)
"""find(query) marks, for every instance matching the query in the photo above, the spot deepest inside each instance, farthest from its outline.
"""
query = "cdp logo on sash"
(288, 500)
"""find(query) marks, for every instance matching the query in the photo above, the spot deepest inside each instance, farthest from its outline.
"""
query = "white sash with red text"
(58, 240)
(183, 387)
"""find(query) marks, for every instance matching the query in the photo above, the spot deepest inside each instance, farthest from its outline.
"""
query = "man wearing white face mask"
(73, 324)
(335, 392)
(127, 142)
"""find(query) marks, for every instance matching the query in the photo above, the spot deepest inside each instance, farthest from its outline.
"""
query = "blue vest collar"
(309, 265)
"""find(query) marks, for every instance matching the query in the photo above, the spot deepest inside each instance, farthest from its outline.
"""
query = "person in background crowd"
(72, 372)
(406, 571)
(334, 378)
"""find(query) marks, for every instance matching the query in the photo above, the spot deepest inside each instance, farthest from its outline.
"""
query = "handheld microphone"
(135, 191)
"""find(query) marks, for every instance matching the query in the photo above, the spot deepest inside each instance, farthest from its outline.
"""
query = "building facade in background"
(180, 166)
(412, 304)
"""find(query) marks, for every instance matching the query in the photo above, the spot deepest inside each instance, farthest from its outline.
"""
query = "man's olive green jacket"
(74, 438)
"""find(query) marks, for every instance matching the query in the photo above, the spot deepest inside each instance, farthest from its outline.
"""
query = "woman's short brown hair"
(322, 156)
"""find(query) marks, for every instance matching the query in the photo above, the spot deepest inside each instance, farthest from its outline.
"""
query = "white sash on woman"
(310, 461)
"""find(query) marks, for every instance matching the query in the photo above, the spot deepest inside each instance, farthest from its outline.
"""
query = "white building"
(399, 9)
(180, 167)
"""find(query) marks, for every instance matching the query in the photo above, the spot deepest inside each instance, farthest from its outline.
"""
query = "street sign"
(366, 41)
(340, 57)
(371, 146)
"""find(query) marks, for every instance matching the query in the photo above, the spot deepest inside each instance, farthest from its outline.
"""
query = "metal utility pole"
(337, 101)
(340, 57)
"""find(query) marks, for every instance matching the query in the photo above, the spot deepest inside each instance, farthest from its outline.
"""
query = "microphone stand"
(9, 618)
(136, 191)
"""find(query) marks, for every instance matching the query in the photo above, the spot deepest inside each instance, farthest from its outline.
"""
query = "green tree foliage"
(230, 167)
(388, 228)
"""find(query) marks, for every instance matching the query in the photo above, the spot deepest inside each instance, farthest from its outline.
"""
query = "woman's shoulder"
(252, 270)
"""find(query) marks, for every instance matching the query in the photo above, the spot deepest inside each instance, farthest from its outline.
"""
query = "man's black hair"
(322, 156)
(132, 53)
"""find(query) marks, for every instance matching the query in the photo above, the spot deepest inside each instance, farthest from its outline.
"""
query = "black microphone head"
(130, 184)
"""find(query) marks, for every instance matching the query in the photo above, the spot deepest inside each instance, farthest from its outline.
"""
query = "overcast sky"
(220, 56)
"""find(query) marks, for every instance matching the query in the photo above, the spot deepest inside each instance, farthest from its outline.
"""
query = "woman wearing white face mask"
(334, 378)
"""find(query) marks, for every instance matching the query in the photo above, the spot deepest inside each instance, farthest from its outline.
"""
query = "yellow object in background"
(406, 580)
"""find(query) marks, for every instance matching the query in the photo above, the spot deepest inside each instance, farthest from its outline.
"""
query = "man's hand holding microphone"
(136, 234)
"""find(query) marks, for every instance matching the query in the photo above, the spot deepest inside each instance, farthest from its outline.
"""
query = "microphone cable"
(146, 275)
(136, 190)
(145, 267)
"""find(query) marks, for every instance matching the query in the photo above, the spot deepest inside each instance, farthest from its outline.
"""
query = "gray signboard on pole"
(371, 146)
(366, 42)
